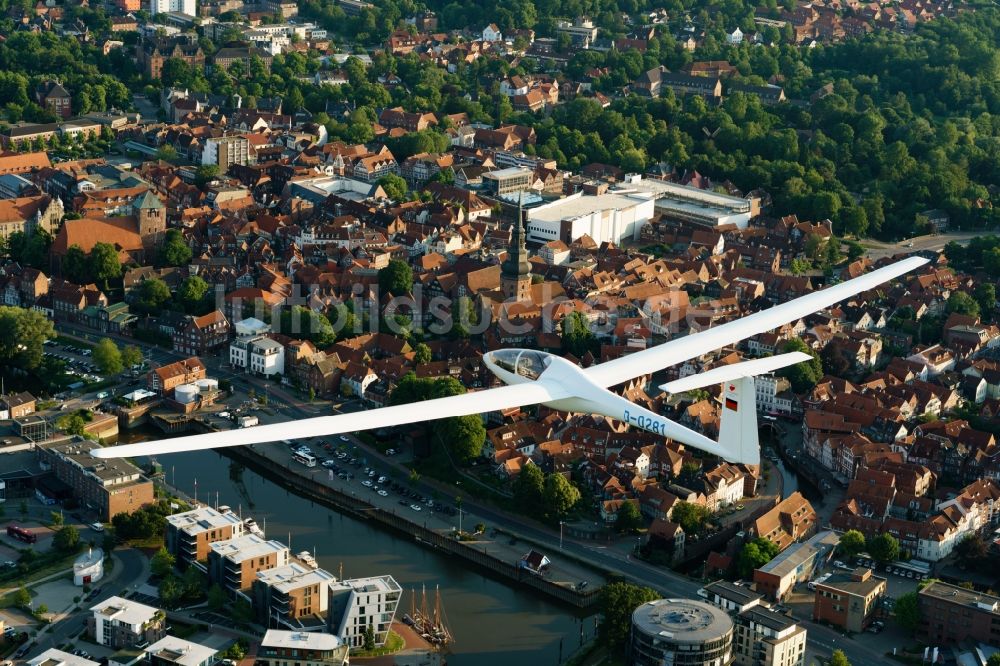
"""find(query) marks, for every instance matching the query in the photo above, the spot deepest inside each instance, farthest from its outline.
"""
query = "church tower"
(515, 274)
(151, 219)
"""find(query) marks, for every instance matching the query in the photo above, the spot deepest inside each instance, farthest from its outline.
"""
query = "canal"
(493, 624)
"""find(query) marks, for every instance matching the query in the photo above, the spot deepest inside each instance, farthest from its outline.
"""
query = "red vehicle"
(21, 534)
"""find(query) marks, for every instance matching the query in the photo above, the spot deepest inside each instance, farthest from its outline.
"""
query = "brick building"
(950, 614)
(233, 564)
(849, 600)
(108, 486)
(188, 535)
(201, 335)
(52, 96)
(165, 379)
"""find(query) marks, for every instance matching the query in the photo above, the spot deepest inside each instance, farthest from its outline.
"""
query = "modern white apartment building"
(356, 603)
(188, 7)
(54, 657)
(173, 651)
(283, 648)
(118, 623)
(225, 151)
(765, 638)
(293, 596)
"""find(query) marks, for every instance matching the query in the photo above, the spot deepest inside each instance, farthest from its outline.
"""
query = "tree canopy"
(396, 278)
(22, 337)
(618, 600)
(884, 547)
(754, 555)
(803, 376)
(906, 610)
(851, 543)
(108, 357)
(691, 517)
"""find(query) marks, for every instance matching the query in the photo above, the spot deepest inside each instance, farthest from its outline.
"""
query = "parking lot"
(79, 362)
(343, 466)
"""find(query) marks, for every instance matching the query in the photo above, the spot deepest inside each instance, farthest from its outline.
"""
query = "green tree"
(205, 174)
(67, 539)
(217, 598)
(242, 613)
(754, 555)
(396, 278)
(193, 582)
(691, 517)
(22, 337)
(167, 153)
(104, 264)
(237, 651)
(370, 637)
(75, 265)
(421, 354)
(629, 519)
(162, 563)
(174, 251)
(72, 424)
(994, 659)
(906, 611)
(986, 297)
(972, 551)
(962, 303)
(851, 543)
(618, 601)
(108, 357)
(131, 356)
(394, 186)
(171, 591)
(464, 436)
(191, 293)
(153, 295)
(838, 658)
(22, 598)
(528, 487)
(577, 338)
(884, 548)
(803, 376)
(301, 322)
(559, 496)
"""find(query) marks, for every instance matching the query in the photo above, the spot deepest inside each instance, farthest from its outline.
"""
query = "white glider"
(534, 377)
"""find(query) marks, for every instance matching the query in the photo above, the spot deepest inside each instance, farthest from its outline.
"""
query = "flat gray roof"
(737, 593)
(682, 621)
(788, 561)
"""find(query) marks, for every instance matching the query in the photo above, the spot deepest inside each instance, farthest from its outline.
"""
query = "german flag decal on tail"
(732, 404)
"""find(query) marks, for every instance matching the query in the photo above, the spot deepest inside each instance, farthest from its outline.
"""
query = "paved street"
(878, 249)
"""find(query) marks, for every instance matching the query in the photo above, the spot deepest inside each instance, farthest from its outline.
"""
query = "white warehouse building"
(614, 217)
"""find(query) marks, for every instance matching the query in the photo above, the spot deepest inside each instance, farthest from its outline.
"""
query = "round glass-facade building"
(681, 632)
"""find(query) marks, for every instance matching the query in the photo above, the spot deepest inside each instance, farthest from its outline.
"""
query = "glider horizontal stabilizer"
(735, 371)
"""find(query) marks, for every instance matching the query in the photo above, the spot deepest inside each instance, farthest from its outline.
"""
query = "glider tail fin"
(738, 427)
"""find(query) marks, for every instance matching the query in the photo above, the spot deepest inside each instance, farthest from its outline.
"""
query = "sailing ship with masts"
(432, 627)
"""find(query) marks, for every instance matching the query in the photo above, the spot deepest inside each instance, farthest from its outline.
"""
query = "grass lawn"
(393, 643)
